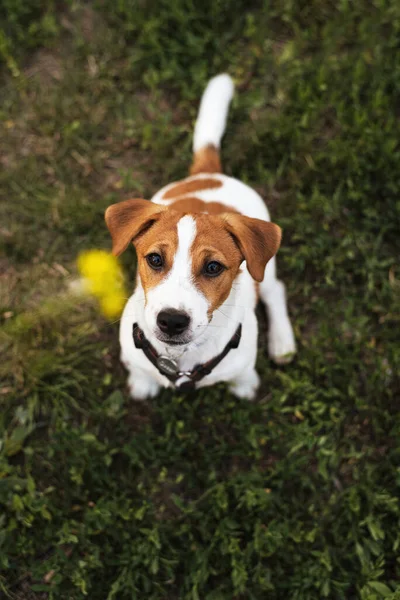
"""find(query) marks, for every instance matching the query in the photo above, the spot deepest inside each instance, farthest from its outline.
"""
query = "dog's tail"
(210, 125)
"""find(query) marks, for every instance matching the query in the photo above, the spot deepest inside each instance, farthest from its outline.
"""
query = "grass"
(202, 496)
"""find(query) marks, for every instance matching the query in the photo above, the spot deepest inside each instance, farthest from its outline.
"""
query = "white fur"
(178, 291)
(238, 308)
(211, 120)
(232, 192)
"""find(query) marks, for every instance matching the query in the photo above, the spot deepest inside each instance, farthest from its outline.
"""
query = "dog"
(206, 252)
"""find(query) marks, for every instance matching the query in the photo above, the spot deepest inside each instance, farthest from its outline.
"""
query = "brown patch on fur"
(189, 187)
(230, 238)
(152, 229)
(161, 238)
(206, 160)
(127, 220)
(213, 242)
(195, 205)
(257, 240)
(257, 289)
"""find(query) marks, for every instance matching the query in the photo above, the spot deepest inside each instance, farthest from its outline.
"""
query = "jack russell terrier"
(205, 248)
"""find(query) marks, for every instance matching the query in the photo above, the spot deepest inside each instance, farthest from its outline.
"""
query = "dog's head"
(188, 261)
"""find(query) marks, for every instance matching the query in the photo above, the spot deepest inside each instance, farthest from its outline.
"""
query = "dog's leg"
(141, 385)
(281, 342)
(246, 385)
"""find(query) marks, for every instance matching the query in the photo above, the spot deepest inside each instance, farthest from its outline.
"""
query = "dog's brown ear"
(258, 241)
(128, 219)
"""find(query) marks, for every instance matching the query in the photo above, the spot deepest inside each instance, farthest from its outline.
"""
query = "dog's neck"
(212, 341)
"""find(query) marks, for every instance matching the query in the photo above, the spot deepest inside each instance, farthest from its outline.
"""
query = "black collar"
(169, 368)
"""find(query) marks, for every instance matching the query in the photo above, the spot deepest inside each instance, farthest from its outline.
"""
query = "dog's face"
(188, 261)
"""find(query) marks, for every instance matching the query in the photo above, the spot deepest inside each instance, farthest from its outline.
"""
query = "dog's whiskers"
(224, 315)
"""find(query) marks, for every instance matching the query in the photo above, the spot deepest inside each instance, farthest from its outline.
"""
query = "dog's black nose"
(172, 322)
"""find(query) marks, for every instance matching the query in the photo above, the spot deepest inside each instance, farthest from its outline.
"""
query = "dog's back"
(208, 190)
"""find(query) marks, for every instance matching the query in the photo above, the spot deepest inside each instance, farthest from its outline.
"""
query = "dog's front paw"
(142, 387)
(281, 342)
(246, 386)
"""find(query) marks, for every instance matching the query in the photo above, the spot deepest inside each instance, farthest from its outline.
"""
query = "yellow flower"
(103, 279)
(112, 306)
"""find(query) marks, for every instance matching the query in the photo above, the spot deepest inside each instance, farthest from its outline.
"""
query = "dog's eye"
(155, 261)
(213, 268)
